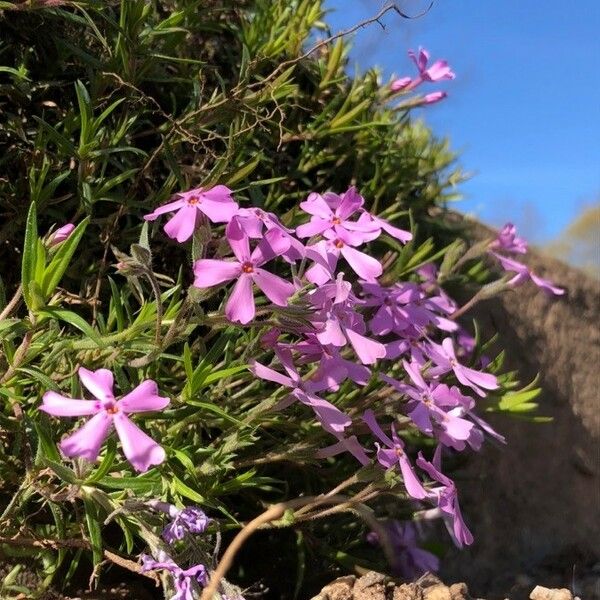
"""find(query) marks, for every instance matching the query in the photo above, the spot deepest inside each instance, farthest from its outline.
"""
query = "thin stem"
(14, 302)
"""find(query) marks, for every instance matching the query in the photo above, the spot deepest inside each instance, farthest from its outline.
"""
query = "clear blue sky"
(524, 109)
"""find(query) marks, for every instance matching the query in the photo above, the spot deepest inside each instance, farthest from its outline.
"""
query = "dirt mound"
(535, 504)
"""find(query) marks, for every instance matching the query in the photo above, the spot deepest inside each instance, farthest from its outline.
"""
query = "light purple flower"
(446, 498)
(331, 418)
(140, 449)
(438, 71)
(393, 454)
(433, 98)
(445, 360)
(345, 444)
(254, 220)
(326, 253)
(60, 235)
(337, 322)
(400, 84)
(410, 561)
(331, 214)
(185, 581)
(508, 240)
(247, 270)
(216, 203)
(523, 274)
(433, 408)
(190, 519)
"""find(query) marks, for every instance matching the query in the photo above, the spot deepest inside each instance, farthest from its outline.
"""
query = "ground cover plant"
(232, 358)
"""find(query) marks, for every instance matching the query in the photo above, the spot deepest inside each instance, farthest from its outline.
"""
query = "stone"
(542, 593)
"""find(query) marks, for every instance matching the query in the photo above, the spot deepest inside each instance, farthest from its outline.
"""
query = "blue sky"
(524, 109)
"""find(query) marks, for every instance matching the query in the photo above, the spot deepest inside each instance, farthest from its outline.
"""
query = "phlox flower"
(345, 444)
(400, 84)
(60, 235)
(392, 454)
(190, 519)
(410, 561)
(216, 203)
(433, 408)
(326, 254)
(524, 273)
(433, 98)
(508, 241)
(331, 213)
(331, 418)
(337, 322)
(185, 581)
(438, 71)
(140, 449)
(444, 358)
(246, 268)
(254, 221)
(445, 497)
(367, 219)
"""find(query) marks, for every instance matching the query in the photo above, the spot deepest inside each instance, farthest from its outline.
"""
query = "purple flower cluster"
(508, 242)
(438, 71)
(189, 520)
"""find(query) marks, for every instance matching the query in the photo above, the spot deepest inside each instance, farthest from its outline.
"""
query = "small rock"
(542, 593)
(437, 592)
(340, 589)
(408, 591)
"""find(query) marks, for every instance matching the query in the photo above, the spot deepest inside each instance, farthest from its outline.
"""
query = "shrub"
(109, 111)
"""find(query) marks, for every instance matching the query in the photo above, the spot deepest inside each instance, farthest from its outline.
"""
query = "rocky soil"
(375, 586)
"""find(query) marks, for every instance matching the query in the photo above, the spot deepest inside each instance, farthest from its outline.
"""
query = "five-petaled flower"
(247, 270)
(216, 203)
(140, 449)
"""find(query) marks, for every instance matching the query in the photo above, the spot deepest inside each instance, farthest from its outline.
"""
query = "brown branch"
(276, 512)
(52, 544)
(14, 302)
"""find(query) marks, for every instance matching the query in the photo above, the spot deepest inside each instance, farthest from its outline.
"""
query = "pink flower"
(216, 203)
(433, 97)
(141, 450)
(400, 84)
(523, 273)
(392, 454)
(446, 498)
(246, 269)
(331, 215)
(438, 71)
(60, 235)
(445, 360)
(508, 240)
(331, 418)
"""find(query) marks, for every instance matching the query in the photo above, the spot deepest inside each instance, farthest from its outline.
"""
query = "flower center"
(336, 221)
(193, 200)
(399, 451)
(338, 244)
(247, 267)
(111, 408)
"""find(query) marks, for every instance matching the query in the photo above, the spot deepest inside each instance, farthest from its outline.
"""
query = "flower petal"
(365, 266)
(315, 226)
(166, 208)
(210, 271)
(99, 383)
(270, 374)
(61, 406)
(183, 223)
(274, 243)
(240, 306)
(366, 349)
(238, 240)
(86, 441)
(143, 398)
(139, 448)
(276, 289)
(316, 205)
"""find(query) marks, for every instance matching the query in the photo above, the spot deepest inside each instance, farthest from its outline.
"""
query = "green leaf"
(60, 261)
(187, 491)
(67, 316)
(67, 475)
(94, 528)
(30, 253)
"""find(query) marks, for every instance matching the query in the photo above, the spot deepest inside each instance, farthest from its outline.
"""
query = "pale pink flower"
(140, 449)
